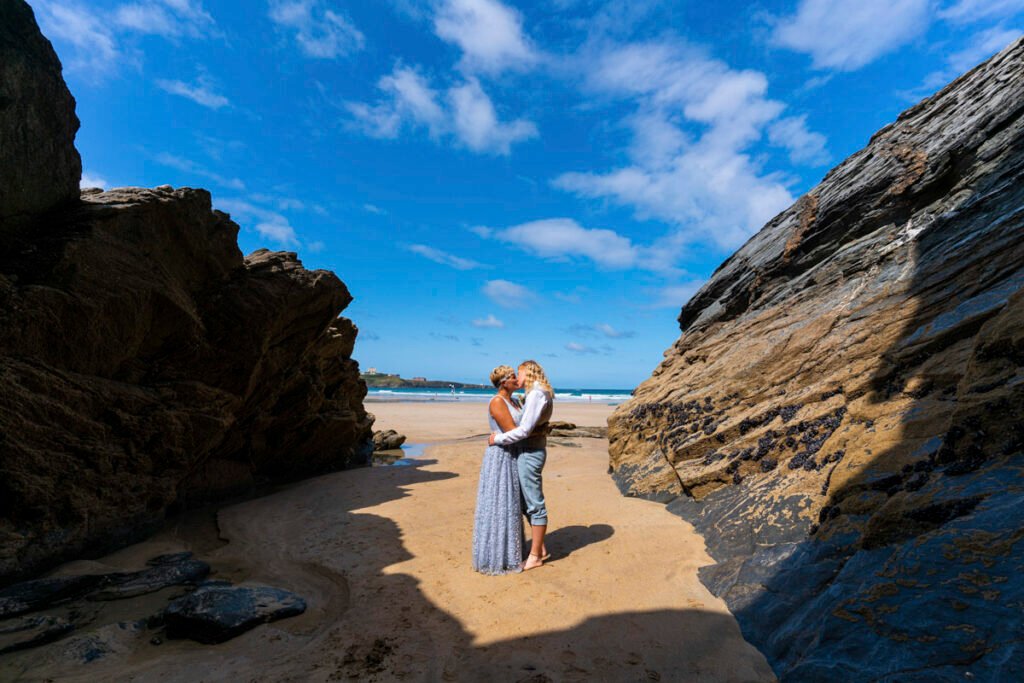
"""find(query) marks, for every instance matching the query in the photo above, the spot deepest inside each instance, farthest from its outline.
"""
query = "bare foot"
(532, 562)
(544, 554)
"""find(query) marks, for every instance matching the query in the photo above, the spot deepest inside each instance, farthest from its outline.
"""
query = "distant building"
(419, 379)
(371, 371)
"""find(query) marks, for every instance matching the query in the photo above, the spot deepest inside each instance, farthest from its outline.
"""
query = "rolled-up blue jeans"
(530, 463)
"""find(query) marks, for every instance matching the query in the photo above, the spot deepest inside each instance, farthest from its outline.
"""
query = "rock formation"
(218, 611)
(387, 440)
(210, 611)
(145, 363)
(41, 167)
(843, 415)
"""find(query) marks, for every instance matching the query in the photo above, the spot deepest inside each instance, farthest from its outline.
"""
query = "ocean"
(609, 396)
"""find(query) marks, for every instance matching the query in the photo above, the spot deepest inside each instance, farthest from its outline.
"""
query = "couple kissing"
(511, 483)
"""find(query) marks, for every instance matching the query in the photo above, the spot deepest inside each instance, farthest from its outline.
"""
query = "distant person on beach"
(498, 525)
(530, 440)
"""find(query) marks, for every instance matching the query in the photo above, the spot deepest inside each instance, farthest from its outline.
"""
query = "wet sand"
(382, 557)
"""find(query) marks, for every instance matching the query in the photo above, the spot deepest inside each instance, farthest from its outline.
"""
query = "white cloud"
(195, 169)
(281, 202)
(167, 18)
(489, 33)
(578, 348)
(93, 35)
(91, 180)
(804, 145)
(609, 331)
(444, 258)
(657, 140)
(696, 119)
(94, 45)
(268, 224)
(489, 322)
(278, 231)
(320, 32)
(508, 294)
(415, 10)
(718, 194)
(481, 231)
(980, 47)
(477, 125)
(601, 330)
(965, 11)
(465, 113)
(563, 237)
(217, 148)
(374, 209)
(844, 35)
(573, 297)
(199, 93)
(414, 98)
(674, 296)
(409, 100)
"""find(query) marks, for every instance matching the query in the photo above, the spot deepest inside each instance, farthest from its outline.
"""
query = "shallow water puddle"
(399, 457)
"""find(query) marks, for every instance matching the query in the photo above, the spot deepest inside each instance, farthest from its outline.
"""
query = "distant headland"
(377, 380)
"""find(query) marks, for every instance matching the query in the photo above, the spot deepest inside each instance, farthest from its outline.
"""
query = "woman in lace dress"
(497, 527)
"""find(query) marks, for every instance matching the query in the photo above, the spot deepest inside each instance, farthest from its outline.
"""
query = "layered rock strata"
(843, 415)
(145, 362)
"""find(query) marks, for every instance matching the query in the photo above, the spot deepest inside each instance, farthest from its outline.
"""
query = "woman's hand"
(490, 440)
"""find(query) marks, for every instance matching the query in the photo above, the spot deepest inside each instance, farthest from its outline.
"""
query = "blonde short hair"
(535, 374)
(500, 374)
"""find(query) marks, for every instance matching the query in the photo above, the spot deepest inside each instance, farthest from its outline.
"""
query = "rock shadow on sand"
(385, 626)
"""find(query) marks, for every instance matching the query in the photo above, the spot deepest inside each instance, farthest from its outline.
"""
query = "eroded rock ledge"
(843, 415)
(145, 363)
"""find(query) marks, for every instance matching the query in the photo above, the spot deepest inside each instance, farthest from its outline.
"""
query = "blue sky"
(496, 180)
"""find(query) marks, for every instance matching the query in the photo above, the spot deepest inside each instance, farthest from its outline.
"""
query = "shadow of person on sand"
(564, 541)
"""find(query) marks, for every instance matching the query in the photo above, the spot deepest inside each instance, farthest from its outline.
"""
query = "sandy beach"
(382, 557)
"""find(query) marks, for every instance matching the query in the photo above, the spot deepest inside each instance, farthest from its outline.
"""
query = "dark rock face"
(843, 416)
(145, 363)
(41, 168)
(215, 613)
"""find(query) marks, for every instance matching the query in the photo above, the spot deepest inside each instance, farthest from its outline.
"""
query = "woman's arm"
(501, 414)
(536, 400)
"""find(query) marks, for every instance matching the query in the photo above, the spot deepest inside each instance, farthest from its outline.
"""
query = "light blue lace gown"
(498, 526)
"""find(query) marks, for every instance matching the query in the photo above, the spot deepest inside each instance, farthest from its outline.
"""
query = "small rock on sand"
(216, 613)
